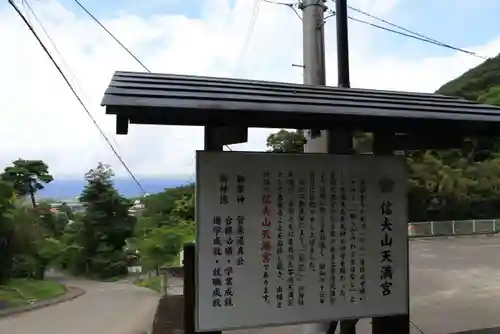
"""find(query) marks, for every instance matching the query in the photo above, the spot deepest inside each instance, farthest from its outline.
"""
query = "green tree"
(106, 225)
(27, 177)
(165, 225)
(160, 206)
(6, 231)
(37, 243)
(285, 141)
(160, 246)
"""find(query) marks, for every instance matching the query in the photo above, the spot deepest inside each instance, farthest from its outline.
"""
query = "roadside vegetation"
(153, 283)
(18, 291)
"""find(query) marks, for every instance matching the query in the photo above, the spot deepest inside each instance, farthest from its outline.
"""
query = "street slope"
(105, 308)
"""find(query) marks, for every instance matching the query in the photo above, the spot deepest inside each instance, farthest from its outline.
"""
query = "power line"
(292, 6)
(408, 33)
(417, 328)
(253, 20)
(419, 38)
(434, 41)
(110, 34)
(118, 41)
(393, 24)
(47, 52)
(279, 3)
(56, 49)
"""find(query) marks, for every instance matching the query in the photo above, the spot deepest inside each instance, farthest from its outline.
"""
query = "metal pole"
(342, 43)
(314, 74)
(313, 41)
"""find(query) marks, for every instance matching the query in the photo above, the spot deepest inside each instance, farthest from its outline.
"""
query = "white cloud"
(42, 120)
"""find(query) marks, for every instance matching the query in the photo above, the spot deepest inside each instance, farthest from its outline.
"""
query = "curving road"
(105, 308)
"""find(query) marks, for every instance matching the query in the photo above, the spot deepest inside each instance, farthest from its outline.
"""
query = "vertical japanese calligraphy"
(228, 251)
(353, 217)
(266, 224)
(312, 221)
(343, 236)
(290, 239)
(240, 220)
(322, 238)
(279, 246)
(362, 239)
(223, 180)
(285, 239)
(386, 271)
(240, 240)
(302, 242)
(333, 200)
(217, 252)
(240, 189)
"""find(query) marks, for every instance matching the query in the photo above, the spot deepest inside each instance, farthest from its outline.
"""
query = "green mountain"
(481, 83)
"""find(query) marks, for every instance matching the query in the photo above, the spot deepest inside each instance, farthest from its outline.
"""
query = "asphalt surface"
(105, 308)
(455, 288)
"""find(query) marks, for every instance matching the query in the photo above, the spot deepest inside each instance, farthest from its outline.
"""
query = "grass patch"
(19, 291)
(154, 283)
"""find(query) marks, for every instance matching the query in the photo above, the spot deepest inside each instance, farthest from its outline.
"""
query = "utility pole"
(313, 41)
(321, 141)
(326, 141)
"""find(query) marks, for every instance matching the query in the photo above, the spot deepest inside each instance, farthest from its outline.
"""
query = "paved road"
(455, 287)
(106, 308)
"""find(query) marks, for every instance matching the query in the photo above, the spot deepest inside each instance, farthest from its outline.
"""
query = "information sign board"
(299, 238)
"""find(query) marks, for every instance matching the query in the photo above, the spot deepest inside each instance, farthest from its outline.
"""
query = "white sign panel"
(299, 238)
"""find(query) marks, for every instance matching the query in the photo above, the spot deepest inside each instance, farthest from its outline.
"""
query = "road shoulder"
(71, 293)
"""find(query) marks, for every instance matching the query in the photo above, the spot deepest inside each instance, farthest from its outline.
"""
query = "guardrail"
(454, 227)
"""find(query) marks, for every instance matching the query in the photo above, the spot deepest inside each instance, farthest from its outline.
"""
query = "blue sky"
(461, 23)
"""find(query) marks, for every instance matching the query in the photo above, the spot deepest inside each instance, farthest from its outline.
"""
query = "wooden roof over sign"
(143, 98)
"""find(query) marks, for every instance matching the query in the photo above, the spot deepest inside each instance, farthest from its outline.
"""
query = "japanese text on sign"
(284, 239)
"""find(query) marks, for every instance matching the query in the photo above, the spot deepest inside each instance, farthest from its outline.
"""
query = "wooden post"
(190, 290)
(213, 142)
(383, 144)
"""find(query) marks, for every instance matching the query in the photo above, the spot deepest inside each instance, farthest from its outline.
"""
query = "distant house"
(75, 207)
(137, 207)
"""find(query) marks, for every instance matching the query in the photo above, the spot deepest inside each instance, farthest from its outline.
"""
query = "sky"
(41, 119)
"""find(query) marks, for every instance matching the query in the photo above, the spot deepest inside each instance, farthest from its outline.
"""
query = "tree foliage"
(96, 243)
(28, 234)
(27, 177)
(480, 83)
(7, 197)
(285, 141)
(165, 225)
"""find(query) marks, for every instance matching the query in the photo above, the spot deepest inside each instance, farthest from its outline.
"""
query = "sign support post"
(212, 143)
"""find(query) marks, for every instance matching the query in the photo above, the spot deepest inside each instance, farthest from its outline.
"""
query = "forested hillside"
(482, 83)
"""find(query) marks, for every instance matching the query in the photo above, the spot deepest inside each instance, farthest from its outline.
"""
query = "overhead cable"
(404, 31)
(94, 18)
(68, 83)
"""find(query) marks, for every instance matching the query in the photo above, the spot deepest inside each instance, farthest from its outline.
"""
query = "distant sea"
(71, 189)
